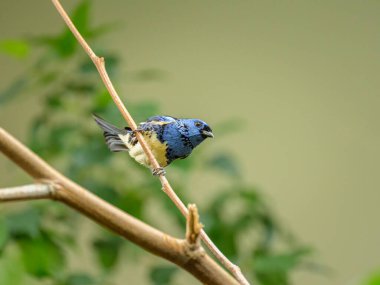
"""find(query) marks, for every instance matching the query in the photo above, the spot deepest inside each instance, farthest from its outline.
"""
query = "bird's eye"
(198, 124)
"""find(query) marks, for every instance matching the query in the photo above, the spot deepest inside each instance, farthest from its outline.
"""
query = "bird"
(169, 138)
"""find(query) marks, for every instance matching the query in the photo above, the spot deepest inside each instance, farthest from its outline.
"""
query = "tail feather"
(107, 127)
(111, 134)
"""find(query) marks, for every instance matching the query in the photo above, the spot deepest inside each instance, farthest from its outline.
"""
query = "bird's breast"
(157, 147)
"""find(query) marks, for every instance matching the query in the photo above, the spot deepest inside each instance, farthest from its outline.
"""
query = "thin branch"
(60, 188)
(166, 187)
(26, 192)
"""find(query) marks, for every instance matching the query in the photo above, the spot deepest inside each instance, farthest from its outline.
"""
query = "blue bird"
(169, 138)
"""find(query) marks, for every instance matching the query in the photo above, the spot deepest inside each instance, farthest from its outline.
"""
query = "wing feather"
(161, 120)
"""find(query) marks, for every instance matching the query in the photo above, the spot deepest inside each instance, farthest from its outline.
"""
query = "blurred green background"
(294, 83)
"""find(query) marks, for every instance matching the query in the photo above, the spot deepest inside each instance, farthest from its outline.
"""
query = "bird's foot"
(158, 171)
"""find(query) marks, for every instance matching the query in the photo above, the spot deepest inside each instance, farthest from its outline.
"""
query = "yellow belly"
(158, 150)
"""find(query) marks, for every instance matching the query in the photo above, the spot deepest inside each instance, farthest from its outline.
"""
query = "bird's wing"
(156, 125)
(161, 120)
(155, 122)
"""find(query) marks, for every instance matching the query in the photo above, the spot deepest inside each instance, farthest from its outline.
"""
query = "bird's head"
(197, 131)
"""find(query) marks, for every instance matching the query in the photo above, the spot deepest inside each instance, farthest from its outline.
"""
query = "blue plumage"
(169, 138)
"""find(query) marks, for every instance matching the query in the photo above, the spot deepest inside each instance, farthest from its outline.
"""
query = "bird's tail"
(111, 134)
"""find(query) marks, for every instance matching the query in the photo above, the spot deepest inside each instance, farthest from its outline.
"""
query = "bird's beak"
(207, 134)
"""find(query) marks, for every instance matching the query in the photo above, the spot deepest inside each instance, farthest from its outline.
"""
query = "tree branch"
(60, 188)
(166, 187)
(26, 192)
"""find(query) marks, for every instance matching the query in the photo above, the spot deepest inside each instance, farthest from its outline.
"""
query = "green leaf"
(226, 239)
(24, 224)
(101, 101)
(162, 275)
(104, 29)
(80, 87)
(79, 279)
(87, 66)
(107, 250)
(275, 278)
(15, 48)
(37, 128)
(104, 191)
(14, 89)
(80, 16)
(373, 279)
(225, 226)
(65, 44)
(57, 141)
(4, 234)
(144, 110)
(41, 256)
(11, 269)
(54, 100)
(279, 262)
(90, 153)
(132, 202)
(48, 77)
(149, 74)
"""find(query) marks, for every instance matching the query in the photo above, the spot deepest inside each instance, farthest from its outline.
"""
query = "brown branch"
(26, 192)
(166, 187)
(60, 188)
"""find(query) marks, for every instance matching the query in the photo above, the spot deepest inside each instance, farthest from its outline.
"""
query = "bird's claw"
(158, 171)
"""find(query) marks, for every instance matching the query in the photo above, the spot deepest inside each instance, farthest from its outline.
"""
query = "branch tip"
(27, 192)
(193, 226)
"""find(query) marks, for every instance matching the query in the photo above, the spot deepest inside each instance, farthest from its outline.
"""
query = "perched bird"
(169, 138)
